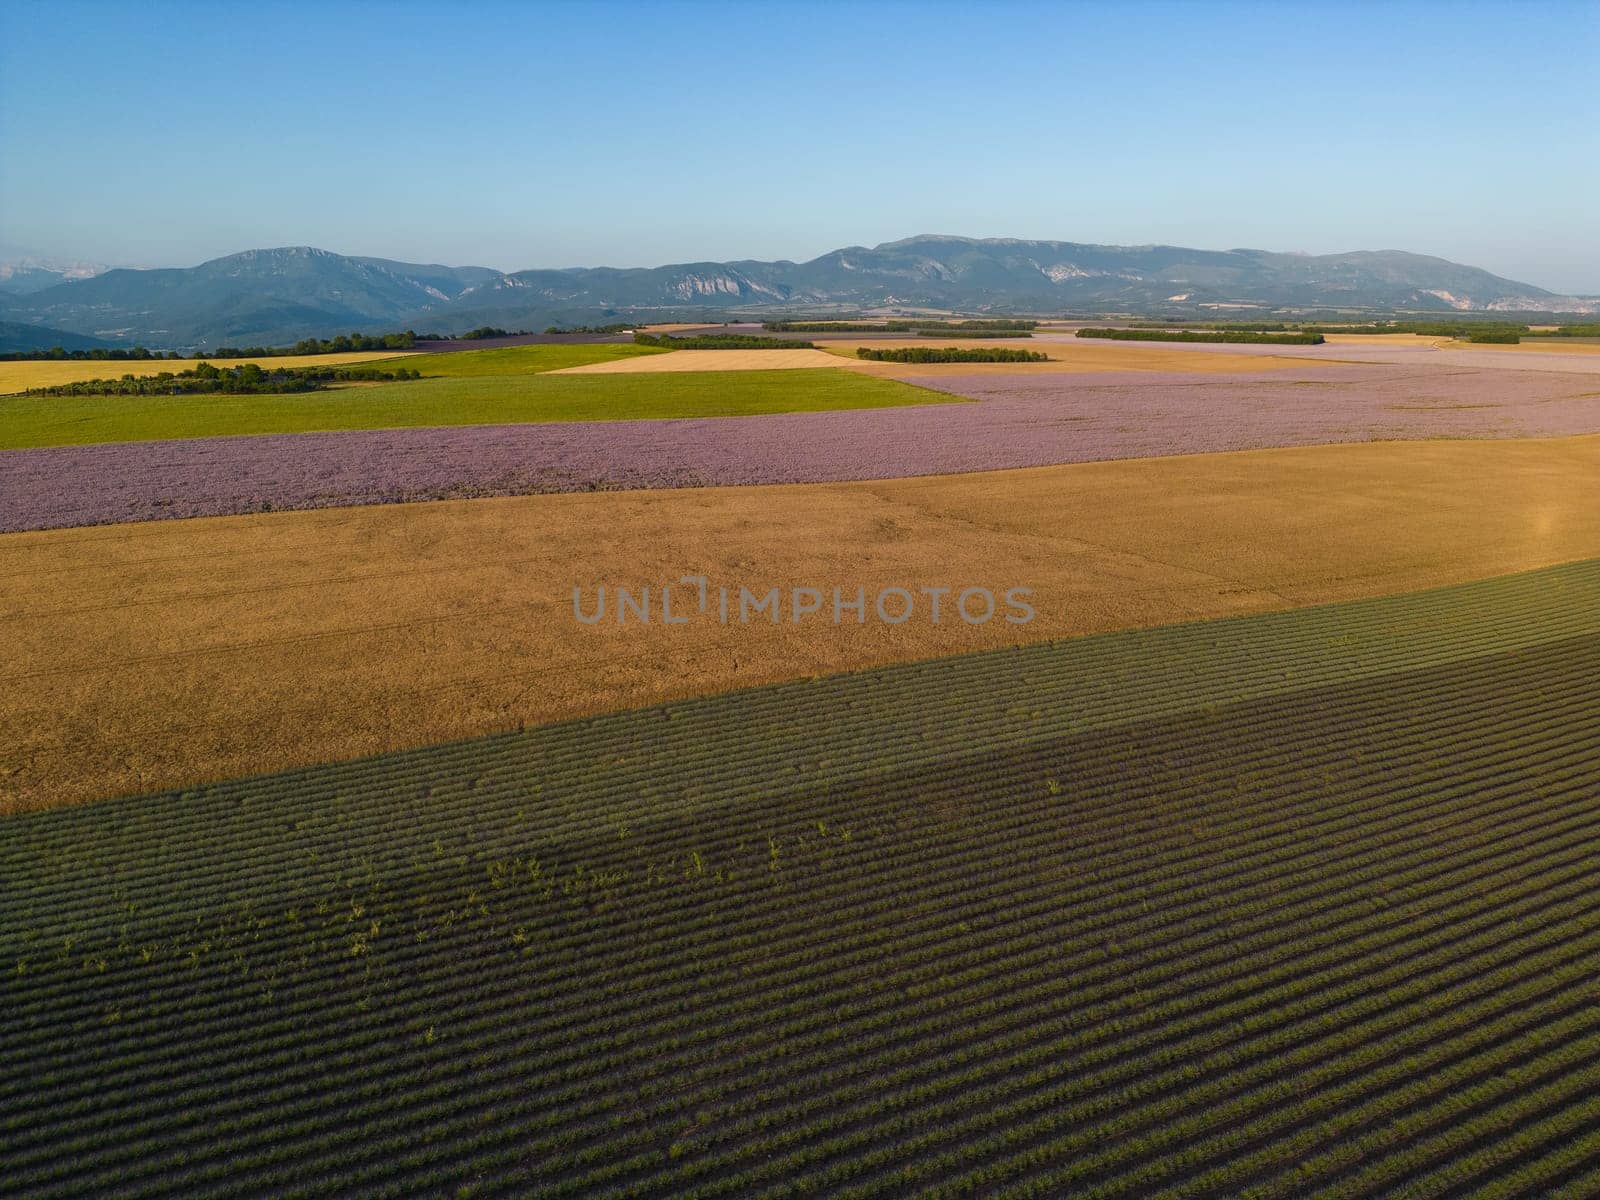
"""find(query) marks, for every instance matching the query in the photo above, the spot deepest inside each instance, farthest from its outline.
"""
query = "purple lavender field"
(1019, 420)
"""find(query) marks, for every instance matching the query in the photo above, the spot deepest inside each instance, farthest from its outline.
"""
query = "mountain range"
(281, 295)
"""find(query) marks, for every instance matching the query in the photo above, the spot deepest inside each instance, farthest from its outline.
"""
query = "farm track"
(1285, 905)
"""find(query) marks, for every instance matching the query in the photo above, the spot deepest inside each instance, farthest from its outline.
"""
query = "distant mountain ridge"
(281, 295)
(35, 274)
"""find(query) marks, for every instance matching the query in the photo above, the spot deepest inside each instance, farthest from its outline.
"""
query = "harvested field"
(1289, 906)
(1406, 350)
(1535, 346)
(1065, 355)
(166, 654)
(21, 375)
(1421, 341)
(711, 360)
(1069, 354)
(1021, 421)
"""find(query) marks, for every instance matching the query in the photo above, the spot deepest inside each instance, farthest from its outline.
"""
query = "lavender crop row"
(1019, 420)
(1339, 940)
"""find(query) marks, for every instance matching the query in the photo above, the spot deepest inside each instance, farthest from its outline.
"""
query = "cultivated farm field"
(873, 429)
(1286, 905)
(20, 375)
(450, 398)
(337, 856)
(165, 654)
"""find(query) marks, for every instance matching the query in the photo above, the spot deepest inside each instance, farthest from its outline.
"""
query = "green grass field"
(519, 360)
(466, 399)
(1284, 906)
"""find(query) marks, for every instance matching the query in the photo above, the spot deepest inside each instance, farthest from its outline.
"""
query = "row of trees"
(1580, 331)
(958, 332)
(99, 354)
(721, 341)
(951, 354)
(897, 326)
(1204, 335)
(614, 327)
(343, 344)
(1451, 329)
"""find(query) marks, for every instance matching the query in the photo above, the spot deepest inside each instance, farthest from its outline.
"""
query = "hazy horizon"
(514, 136)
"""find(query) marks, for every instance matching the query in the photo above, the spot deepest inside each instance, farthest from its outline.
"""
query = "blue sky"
(633, 134)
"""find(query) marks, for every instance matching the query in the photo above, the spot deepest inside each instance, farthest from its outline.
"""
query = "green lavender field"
(1281, 906)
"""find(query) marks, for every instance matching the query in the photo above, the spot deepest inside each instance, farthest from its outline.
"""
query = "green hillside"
(16, 337)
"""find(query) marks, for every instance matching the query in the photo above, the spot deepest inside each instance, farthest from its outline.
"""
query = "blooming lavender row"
(1020, 420)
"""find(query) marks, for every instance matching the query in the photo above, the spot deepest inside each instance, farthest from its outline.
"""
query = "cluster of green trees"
(1204, 335)
(1451, 329)
(951, 354)
(490, 331)
(1561, 331)
(1244, 326)
(721, 341)
(249, 378)
(343, 344)
(58, 353)
(1470, 329)
(1001, 323)
(614, 327)
(959, 332)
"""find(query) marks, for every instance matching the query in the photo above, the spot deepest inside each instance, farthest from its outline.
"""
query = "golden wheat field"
(1535, 345)
(1069, 356)
(157, 655)
(1383, 339)
(19, 376)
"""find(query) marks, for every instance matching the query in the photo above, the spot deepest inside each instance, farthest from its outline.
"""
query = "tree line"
(99, 354)
(951, 354)
(896, 326)
(957, 331)
(343, 344)
(1204, 335)
(721, 341)
(614, 327)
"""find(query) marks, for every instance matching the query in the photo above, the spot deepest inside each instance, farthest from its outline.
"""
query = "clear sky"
(522, 135)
